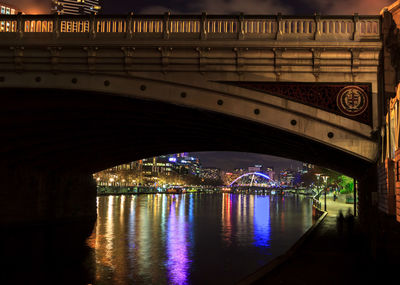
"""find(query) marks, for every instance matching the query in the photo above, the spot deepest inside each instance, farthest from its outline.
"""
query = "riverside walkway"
(334, 253)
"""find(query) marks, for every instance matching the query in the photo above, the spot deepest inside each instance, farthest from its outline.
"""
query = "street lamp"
(318, 175)
(325, 178)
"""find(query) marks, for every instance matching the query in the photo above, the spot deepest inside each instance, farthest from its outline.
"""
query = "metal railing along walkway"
(167, 26)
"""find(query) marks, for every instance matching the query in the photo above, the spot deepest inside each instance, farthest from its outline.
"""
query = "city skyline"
(227, 160)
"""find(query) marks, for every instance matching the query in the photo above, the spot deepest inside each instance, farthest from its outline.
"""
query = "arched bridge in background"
(255, 181)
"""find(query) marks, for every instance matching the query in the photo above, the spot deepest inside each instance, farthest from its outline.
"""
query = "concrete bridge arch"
(213, 115)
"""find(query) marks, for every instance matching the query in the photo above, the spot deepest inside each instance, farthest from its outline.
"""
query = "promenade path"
(332, 254)
(333, 207)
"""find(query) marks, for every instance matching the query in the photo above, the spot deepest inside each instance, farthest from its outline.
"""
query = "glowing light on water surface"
(178, 263)
(262, 222)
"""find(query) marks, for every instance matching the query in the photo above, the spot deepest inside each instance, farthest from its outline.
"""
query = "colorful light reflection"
(262, 222)
(178, 262)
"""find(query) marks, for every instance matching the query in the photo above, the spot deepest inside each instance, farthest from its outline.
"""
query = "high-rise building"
(26, 6)
(67, 7)
(255, 168)
(287, 177)
(76, 7)
(269, 170)
(7, 9)
(210, 173)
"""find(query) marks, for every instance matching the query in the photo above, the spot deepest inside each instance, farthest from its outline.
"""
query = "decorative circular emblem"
(352, 100)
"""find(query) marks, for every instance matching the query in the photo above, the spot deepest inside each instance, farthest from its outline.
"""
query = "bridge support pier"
(45, 218)
(378, 223)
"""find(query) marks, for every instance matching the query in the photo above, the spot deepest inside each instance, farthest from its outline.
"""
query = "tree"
(346, 184)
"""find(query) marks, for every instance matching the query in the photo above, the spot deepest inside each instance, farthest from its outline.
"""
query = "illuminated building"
(287, 177)
(307, 167)
(270, 172)
(76, 7)
(255, 168)
(211, 173)
(164, 169)
(239, 171)
(7, 9)
(228, 177)
(188, 165)
(26, 6)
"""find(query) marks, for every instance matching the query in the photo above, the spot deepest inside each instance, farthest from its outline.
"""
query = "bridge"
(255, 179)
(284, 72)
(81, 94)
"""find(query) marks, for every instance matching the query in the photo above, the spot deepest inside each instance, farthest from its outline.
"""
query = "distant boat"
(176, 190)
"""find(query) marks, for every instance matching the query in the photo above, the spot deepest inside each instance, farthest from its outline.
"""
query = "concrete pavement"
(334, 253)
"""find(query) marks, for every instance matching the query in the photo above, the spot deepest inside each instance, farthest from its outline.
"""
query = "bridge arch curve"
(253, 174)
(281, 114)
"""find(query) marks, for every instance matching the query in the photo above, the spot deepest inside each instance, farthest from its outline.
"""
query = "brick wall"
(397, 184)
(386, 184)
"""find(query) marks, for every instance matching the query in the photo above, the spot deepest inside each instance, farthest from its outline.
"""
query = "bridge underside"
(53, 140)
(87, 132)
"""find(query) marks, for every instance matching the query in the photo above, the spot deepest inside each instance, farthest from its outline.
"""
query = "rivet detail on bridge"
(38, 79)
(74, 80)
(330, 135)
(183, 94)
(107, 83)
(293, 122)
(256, 111)
(220, 102)
(142, 87)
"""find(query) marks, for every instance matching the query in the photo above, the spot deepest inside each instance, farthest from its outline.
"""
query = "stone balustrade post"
(166, 31)
(356, 24)
(92, 27)
(129, 31)
(279, 28)
(203, 26)
(56, 26)
(240, 29)
(318, 26)
(20, 25)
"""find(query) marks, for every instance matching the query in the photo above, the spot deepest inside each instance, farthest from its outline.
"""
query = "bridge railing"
(197, 26)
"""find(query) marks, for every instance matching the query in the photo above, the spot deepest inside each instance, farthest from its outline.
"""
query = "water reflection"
(192, 238)
(177, 244)
(261, 221)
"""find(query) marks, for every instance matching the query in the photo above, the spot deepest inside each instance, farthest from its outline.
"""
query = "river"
(192, 238)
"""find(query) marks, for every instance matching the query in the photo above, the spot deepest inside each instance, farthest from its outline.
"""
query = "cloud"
(236, 6)
(345, 7)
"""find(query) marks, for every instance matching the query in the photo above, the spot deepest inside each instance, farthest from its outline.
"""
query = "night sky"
(299, 7)
(230, 160)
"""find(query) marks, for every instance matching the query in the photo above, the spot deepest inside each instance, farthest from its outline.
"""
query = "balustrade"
(342, 26)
